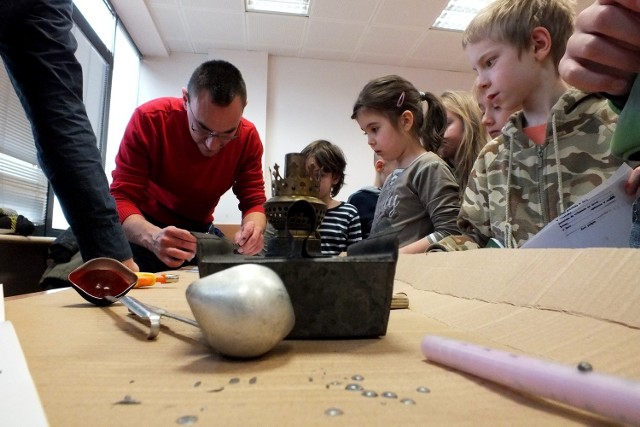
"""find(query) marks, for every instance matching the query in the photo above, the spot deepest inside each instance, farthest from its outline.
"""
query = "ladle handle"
(162, 312)
(133, 305)
(140, 310)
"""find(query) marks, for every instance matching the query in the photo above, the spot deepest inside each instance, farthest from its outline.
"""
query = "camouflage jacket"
(515, 188)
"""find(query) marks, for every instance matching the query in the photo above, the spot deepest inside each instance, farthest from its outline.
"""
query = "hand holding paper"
(602, 218)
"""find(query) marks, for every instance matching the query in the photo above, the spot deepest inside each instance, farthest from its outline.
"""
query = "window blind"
(23, 186)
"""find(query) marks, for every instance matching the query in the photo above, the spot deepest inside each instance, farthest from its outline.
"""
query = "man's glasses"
(204, 134)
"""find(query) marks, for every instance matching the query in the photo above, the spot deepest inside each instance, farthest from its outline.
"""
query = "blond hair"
(513, 21)
(474, 134)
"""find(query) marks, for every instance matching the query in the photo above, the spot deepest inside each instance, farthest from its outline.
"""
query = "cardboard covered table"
(94, 366)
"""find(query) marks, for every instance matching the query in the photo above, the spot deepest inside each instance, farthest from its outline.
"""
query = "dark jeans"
(148, 262)
(38, 51)
(634, 237)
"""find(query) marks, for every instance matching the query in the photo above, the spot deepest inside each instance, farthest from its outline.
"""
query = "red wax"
(100, 283)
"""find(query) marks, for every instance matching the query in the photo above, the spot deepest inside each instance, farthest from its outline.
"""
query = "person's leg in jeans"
(38, 51)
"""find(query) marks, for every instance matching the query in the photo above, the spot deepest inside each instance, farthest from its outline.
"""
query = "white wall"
(313, 99)
(294, 101)
(166, 76)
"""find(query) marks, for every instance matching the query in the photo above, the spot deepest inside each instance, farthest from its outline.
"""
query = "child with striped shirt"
(341, 224)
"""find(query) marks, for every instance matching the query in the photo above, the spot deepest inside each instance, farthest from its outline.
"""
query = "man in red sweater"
(177, 158)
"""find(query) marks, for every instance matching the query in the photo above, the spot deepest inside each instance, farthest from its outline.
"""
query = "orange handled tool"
(150, 279)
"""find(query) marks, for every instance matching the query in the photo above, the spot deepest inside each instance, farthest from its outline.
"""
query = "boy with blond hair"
(549, 154)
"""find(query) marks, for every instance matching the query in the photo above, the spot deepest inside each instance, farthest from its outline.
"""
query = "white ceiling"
(390, 32)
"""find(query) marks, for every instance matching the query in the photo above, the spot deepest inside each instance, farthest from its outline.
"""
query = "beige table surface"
(87, 360)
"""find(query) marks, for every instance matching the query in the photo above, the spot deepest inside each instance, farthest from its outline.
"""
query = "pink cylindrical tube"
(607, 395)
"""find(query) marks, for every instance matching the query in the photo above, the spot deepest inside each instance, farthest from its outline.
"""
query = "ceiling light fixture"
(458, 13)
(289, 7)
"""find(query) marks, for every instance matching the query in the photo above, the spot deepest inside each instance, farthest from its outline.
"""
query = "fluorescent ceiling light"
(458, 13)
(289, 7)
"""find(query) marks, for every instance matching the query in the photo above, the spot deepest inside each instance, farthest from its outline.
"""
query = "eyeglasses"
(205, 134)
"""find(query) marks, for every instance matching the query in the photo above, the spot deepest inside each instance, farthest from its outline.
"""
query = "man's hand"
(174, 246)
(250, 238)
(603, 54)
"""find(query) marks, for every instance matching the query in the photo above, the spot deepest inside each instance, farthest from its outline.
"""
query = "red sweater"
(161, 173)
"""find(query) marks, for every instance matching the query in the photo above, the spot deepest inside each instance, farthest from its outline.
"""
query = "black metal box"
(332, 297)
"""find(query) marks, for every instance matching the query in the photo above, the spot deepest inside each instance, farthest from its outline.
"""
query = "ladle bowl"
(101, 281)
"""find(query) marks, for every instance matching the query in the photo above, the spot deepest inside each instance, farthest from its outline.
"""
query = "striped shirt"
(339, 229)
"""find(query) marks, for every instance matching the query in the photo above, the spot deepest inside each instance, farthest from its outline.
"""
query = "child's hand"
(633, 182)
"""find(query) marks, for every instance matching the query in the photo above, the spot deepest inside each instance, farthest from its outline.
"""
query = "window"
(23, 186)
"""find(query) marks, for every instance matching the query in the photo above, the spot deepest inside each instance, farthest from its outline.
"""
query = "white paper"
(1, 303)
(602, 218)
(19, 401)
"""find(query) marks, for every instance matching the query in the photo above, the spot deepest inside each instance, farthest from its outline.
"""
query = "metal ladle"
(103, 281)
(243, 311)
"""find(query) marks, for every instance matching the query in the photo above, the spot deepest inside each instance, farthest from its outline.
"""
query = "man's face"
(212, 126)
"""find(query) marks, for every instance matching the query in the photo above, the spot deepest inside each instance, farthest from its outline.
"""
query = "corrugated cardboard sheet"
(563, 305)
(567, 305)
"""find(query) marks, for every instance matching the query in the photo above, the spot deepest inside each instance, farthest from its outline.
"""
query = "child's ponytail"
(392, 95)
(435, 122)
